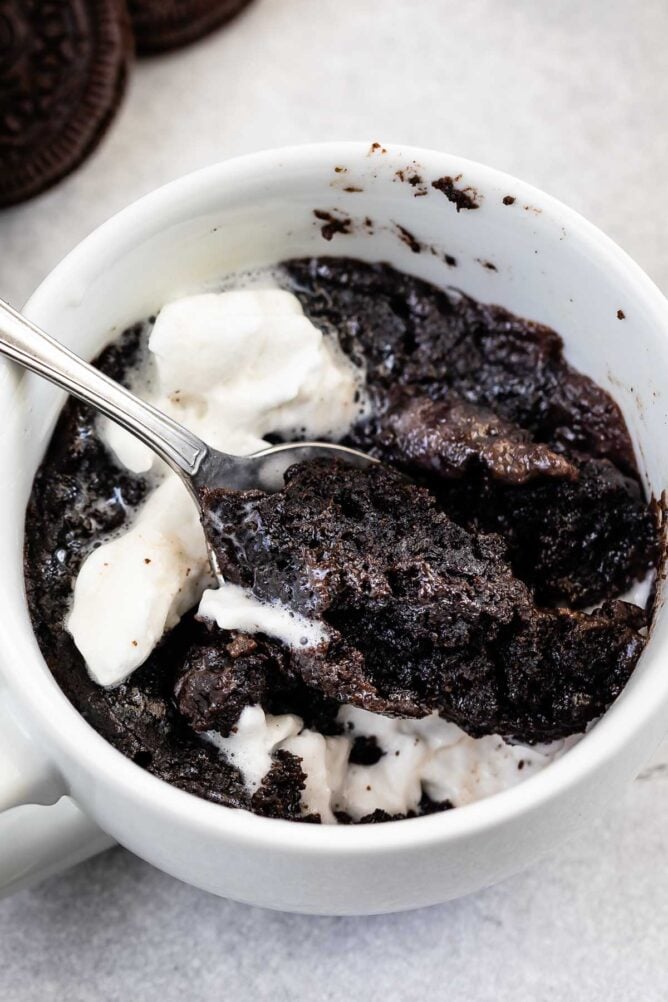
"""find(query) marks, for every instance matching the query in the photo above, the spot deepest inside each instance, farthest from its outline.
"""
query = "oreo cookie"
(63, 68)
(160, 25)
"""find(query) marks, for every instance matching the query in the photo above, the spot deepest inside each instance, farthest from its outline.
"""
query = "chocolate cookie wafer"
(63, 68)
(160, 25)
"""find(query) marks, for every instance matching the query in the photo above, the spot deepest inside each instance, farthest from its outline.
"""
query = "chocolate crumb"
(621, 315)
(462, 198)
(413, 178)
(365, 751)
(508, 199)
(407, 238)
(332, 224)
(240, 645)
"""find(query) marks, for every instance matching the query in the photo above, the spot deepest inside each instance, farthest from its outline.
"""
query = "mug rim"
(65, 726)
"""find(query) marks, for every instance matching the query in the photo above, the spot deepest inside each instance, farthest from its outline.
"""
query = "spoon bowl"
(264, 470)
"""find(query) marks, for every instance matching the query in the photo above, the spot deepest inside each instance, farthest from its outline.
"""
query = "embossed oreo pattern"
(160, 25)
(63, 67)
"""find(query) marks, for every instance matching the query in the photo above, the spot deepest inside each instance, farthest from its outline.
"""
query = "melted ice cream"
(232, 367)
(429, 756)
(234, 608)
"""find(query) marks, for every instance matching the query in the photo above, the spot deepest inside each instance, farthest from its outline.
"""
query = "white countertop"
(571, 96)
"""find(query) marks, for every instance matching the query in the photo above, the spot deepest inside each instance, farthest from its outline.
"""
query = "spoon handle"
(25, 343)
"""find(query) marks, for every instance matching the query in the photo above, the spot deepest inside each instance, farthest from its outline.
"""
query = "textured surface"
(571, 541)
(63, 74)
(159, 26)
(571, 97)
(420, 615)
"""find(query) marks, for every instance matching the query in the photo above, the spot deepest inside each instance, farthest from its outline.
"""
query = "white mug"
(517, 247)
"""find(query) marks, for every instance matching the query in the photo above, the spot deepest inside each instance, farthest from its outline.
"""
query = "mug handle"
(42, 831)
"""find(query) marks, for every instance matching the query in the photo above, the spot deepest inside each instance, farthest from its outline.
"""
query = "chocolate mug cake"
(381, 643)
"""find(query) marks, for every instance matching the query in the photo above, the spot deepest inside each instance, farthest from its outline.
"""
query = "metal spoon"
(197, 464)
